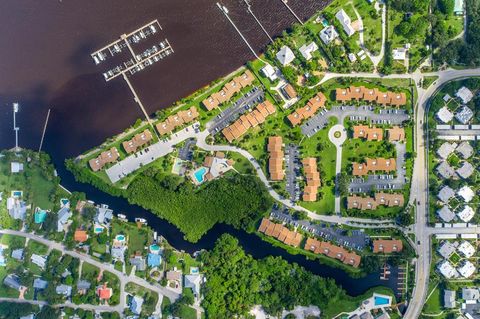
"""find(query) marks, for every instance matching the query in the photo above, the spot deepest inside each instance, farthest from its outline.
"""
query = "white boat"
(122, 216)
(141, 220)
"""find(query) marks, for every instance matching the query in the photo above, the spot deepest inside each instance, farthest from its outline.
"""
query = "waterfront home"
(154, 260)
(387, 246)
(119, 246)
(106, 157)
(16, 167)
(104, 215)
(137, 141)
(177, 120)
(280, 232)
(333, 251)
(345, 21)
(328, 34)
(193, 281)
(63, 217)
(270, 72)
(285, 56)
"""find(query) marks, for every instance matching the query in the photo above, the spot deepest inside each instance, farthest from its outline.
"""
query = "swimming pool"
(199, 174)
(98, 230)
(381, 301)
(120, 237)
(154, 248)
(17, 193)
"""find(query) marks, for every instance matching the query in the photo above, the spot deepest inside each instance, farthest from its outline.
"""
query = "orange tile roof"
(313, 179)
(137, 141)
(280, 232)
(80, 236)
(370, 133)
(333, 251)
(396, 133)
(177, 120)
(307, 111)
(368, 203)
(246, 121)
(356, 93)
(230, 89)
(342, 95)
(370, 95)
(397, 99)
(374, 165)
(104, 293)
(104, 158)
(382, 97)
(290, 91)
(387, 246)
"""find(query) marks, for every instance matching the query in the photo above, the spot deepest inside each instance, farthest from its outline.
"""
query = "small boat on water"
(122, 216)
(141, 220)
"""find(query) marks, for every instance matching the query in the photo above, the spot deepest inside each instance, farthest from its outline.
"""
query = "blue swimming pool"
(17, 193)
(120, 237)
(199, 174)
(381, 301)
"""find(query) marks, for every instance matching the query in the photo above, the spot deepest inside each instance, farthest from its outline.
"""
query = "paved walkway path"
(338, 135)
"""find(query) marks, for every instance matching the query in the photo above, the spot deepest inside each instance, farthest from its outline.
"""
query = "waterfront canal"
(45, 63)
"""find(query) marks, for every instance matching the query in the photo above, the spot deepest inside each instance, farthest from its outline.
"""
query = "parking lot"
(292, 170)
(353, 113)
(383, 181)
(186, 153)
(357, 239)
(239, 107)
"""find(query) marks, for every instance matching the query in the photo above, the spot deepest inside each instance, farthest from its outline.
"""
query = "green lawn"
(187, 312)
(372, 25)
(138, 238)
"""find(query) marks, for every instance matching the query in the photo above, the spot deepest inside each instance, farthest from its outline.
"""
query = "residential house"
(465, 150)
(139, 262)
(396, 134)
(307, 111)
(39, 260)
(139, 140)
(40, 284)
(447, 270)
(275, 161)
(467, 269)
(464, 115)
(104, 292)
(445, 194)
(16, 167)
(369, 133)
(447, 248)
(464, 94)
(174, 277)
(80, 236)
(312, 176)
(446, 149)
(445, 170)
(12, 281)
(64, 290)
(217, 98)
(106, 157)
(17, 254)
(328, 34)
(39, 216)
(285, 56)
(446, 214)
(269, 72)
(466, 193)
(280, 232)
(345, 21)
(444, 115)
(399, 54)
(187, 116)
(104, 215)
(154, 260)
(470, 294)
(387, 246)
(63, 216)
(193, 282)
(307, 49)
(449, 299)
(136, 305)
(333, 251)
(466, 249)
(374, 165)
(466, 170)
(17, 209)
(83, 286)
(466, 214)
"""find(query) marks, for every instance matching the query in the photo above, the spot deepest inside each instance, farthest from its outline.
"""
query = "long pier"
(249, 8)
(225, 12)
(285, 2)
(44, 130)
(15, 128)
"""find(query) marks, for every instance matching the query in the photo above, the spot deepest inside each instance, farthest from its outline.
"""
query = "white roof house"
(445, 194)
(467, 269)
(449, 298)
(307, 49)
(466, 193)
(285, 56)
(328, 34)
(470, 294)
(446, 214)
(63, 216)
(104, 215)
(465, 149)
(464, 94)
(447, 270)
(447, 248)
(193, 282)
(269, 72)
(445, 170)
(446, 149)
(38, 260)
(464, 115)
(466, 214)
(458, 7)
(136, 305)
(399, 54)
(466, 170)
(16, 167)
(352, 57)
(466, 249)
(345, 21)
(445, 115)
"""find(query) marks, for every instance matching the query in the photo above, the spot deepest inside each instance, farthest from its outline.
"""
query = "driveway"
(292, 170)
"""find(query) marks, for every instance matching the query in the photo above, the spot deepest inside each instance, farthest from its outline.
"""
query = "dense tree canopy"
(236, 282)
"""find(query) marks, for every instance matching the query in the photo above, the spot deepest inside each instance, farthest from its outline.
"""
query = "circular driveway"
(337, 135)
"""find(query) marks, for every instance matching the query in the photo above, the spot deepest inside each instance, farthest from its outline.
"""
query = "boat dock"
(137, 61)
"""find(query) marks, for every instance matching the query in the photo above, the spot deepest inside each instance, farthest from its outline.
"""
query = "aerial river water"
(45, 63)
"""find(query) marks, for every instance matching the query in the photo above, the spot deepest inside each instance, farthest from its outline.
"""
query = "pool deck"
(368, 305)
